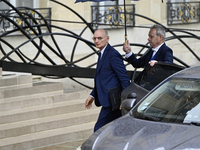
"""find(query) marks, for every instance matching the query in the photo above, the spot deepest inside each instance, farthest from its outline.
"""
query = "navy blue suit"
(164, 54)
(110, 73)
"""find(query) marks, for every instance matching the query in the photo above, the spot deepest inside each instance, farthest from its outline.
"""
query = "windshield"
(177, 100)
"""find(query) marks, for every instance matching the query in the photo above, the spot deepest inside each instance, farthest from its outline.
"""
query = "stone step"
(77, 94)
(36, 114)
(32, 100)
(37, 99)
(12, 82)
(48, 123)
(37, 88)
(10, 79)
(41, 111)
(40, 99)
(49, 137)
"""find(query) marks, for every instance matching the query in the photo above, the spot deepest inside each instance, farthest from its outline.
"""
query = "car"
(145, 81)
(167, 118)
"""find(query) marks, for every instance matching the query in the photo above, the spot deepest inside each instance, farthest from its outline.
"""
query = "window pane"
(177, 100)
(172, 1)
(26, 3)
(110, 3)
(4, 5)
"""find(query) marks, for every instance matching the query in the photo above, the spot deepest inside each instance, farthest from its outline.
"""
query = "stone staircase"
(40, 114)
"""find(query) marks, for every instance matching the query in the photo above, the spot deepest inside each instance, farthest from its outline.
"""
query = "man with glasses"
(110, 73)
(159, 51)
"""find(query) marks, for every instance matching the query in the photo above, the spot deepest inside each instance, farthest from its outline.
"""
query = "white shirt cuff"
(92, 96)
(129, 54)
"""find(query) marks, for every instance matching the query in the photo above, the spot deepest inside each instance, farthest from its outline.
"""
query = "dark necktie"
(99, 56)
(99, 60)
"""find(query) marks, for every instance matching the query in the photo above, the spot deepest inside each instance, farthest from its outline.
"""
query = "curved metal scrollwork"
(30, 22)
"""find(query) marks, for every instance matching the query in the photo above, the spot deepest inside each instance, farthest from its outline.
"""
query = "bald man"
(110, 73)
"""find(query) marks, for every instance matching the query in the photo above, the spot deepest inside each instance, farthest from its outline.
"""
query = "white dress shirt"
(154, 51)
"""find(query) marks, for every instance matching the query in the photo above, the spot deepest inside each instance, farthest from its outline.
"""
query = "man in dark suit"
(110, 73)
(158, 51)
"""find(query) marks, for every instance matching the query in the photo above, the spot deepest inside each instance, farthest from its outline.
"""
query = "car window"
(152, 76)
(177, 100)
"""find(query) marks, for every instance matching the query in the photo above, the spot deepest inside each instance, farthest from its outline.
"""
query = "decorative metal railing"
(62, 66)
(109, 16)
(183, 13)
(28, 15)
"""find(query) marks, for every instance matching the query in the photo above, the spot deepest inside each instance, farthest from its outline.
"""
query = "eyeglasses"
(99, 38)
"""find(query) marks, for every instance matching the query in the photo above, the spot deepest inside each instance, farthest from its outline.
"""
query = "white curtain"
(26, 3)
(4, 5)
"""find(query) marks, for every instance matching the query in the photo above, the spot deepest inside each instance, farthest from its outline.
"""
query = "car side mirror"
(129, 102)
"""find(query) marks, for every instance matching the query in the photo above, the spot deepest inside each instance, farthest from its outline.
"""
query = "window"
(179, 1)
(110, 14)
(183, 12)
(20, 3)
(6, 25)
(3, 6)
(27, 3)
(119, 2)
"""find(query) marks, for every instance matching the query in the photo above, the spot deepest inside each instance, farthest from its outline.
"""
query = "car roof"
(192, 72)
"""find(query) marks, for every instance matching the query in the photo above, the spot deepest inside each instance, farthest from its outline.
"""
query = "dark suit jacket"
(110, 73)
(164, 54)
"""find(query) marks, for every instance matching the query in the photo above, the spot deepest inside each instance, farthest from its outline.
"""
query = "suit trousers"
(106, 115)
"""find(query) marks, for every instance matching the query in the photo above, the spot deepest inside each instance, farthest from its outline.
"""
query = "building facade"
(180, 16)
